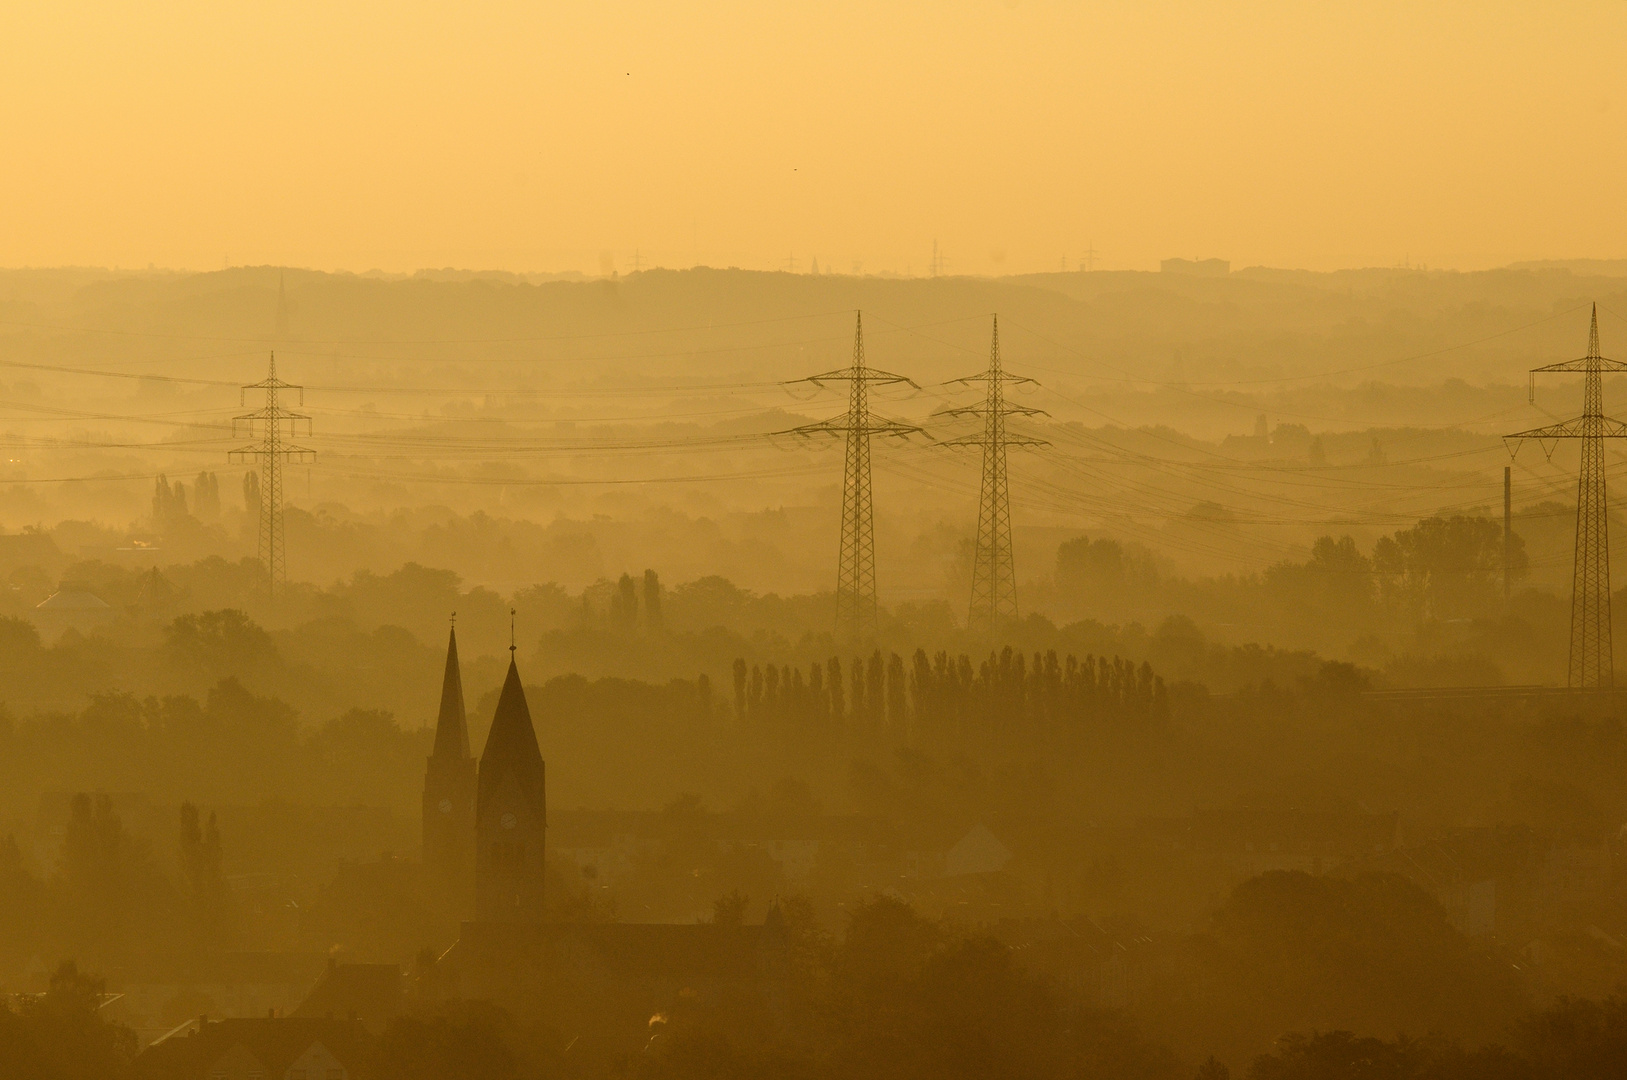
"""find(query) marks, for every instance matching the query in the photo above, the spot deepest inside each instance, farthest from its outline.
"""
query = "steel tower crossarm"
(994, 571)
(1592, 658)
(857, 610)
(271, 452)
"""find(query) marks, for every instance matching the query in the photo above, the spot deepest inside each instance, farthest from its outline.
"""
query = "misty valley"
(719, 674)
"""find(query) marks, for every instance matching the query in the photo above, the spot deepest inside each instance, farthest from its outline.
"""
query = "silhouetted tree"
(251, 497)
(833, 672)
(1446, 567)
(652, 600)
(897, 698)
(206, 496)
(624, 604)
(202, 861)
(730, 910)
(1576, 1039)
(875, 692)
(169, 505)
(61, 1035)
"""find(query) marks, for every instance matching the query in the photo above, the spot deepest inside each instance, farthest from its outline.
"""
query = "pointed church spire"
(451, 778)
(452, 727)
(511, 813)
(511, 746)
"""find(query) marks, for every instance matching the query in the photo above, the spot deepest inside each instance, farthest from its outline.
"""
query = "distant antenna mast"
(938, 264)
(272, 453)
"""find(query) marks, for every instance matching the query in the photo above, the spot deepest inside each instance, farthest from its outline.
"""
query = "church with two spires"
(485, 827)
(485, 822)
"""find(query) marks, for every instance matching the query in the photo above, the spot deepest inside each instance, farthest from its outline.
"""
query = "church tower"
(449, 797)
(510, 814)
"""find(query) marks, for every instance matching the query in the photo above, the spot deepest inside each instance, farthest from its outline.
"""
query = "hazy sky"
(541, 136)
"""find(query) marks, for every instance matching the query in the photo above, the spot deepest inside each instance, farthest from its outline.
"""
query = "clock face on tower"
(446, 806)
(509, 821)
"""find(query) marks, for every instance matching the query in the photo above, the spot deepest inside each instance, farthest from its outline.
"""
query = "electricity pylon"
(994, 571)
(272, 453)
(1591, 659)
(856, 610)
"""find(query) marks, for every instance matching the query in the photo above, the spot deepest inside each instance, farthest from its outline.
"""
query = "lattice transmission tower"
(272, 452)
(856, 609)
(1591, 657)
(994, 569)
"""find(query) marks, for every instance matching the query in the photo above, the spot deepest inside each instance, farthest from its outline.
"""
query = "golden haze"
(541, 136)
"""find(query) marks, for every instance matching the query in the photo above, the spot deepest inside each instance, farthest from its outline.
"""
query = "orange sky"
(539, 136)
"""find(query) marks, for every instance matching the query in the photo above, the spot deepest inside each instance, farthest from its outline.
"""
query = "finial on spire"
(511, 645)
(454, 620)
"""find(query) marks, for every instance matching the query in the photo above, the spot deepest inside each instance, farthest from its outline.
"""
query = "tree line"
(945, 693)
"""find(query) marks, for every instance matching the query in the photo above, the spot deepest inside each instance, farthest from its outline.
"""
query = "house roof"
(274, 1041)
(66, 600)
(371, 993)
(234, 968)
(680, 951)
(628, 952)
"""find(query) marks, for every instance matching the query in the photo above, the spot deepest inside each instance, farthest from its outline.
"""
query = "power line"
(555, 481)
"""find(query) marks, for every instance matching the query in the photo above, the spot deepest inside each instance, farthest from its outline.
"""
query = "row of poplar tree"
(946, 692)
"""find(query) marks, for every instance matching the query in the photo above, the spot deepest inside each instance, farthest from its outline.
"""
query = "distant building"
(235, 984)
(73, 606)
(1248, 842)
(450, 779)
(28, 549)
(270, 1048)
(371, 994)
(1197, 267)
